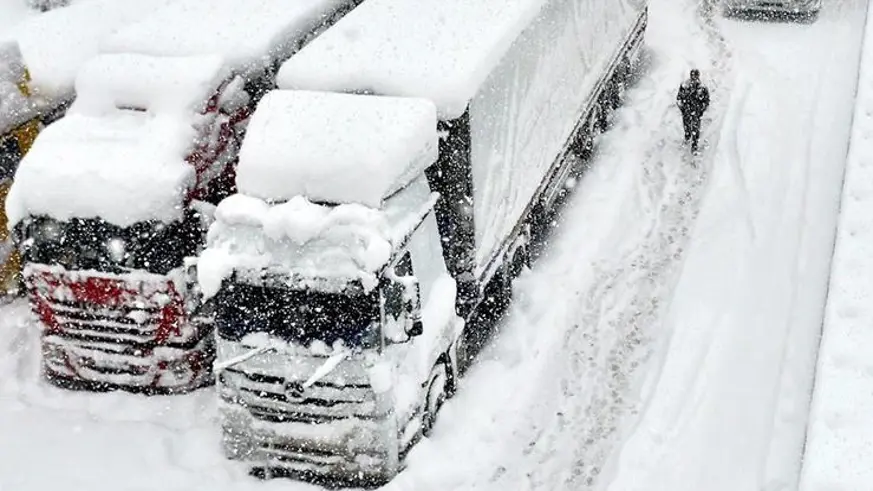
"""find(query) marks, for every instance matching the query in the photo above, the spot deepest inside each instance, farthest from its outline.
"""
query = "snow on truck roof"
(248, 34)
(125, 169)
(335, 148)
(125, 166)
(442, 50)
(57, 43)
(158, 84)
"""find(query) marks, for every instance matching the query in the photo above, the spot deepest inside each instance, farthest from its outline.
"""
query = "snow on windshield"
(335, 148)
(330, 245)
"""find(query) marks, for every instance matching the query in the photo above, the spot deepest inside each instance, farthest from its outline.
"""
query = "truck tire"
(440, 385)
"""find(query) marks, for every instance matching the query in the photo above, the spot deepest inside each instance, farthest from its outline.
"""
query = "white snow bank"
(249, 35)
(839, 445)
(124, 168)
(335, 148)
(15, 107)
(442, 50)
(57, 43)
(157, 84)
(303, 242)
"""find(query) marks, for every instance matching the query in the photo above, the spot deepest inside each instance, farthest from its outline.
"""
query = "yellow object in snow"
(13, 145)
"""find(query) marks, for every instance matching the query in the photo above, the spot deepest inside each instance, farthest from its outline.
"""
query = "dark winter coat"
(693, 99)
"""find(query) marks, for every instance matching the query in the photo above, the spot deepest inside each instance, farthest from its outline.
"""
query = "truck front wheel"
(440, 385)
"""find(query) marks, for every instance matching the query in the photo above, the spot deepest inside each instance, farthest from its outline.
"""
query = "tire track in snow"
(613, 334)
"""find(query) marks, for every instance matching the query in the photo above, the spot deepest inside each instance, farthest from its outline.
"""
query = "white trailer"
(517, 87)
(513, 98)
(111, 201)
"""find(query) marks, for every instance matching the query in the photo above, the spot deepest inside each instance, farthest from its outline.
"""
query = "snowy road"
(730, 403)
(644, 325)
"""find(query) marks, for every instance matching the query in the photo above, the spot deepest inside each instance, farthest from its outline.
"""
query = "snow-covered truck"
(384, 194)
(113, 197)
(39, 59)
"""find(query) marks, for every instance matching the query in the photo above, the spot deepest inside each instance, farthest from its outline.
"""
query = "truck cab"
(333, 305)
(152, 140)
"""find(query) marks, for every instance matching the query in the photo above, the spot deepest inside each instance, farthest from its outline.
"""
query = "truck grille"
(271, 398)
(102, 330)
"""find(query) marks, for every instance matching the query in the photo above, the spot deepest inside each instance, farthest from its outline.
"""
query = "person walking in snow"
(693, 99)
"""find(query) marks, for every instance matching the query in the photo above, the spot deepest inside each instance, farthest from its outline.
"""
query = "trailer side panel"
(522, 117)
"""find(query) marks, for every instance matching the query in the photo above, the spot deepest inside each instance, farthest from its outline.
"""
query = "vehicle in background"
(113, 197)
(39, 59)
(19, 125)
(327, 372)
(57, 43)
(797, 9)
(46, 5)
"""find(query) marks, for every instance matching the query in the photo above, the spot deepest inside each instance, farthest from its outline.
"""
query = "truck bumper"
(104, 332)
(347, 452)
(338, 430)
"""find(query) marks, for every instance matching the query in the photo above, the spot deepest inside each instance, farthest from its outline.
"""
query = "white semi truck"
(113, 197)
(385, 193)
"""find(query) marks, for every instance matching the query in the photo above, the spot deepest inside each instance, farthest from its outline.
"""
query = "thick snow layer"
(442, 50)
(162, 85)
(301, 241)
(56, 44)
(250, 36)
(335, 148)
(125, 168)
(839, 445)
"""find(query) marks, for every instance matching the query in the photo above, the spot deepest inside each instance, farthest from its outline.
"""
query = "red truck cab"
(110, 202)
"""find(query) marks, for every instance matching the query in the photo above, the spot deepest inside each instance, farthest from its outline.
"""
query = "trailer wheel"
(440, 385)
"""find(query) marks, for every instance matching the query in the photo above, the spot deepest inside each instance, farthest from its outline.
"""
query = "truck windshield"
(93, 244)
(297, 316)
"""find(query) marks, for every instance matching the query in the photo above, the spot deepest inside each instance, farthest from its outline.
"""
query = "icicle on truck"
(383, 194)
(113, 197)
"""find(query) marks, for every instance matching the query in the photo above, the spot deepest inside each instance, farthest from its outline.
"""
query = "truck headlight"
(117, 249)
(47, 230)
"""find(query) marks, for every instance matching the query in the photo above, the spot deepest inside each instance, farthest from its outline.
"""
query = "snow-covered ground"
(839, 445)
(728, 405)
(647, 348)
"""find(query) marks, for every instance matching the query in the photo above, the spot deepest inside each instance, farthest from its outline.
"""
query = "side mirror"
(417, 329)
(412, 303)
(402, 303)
